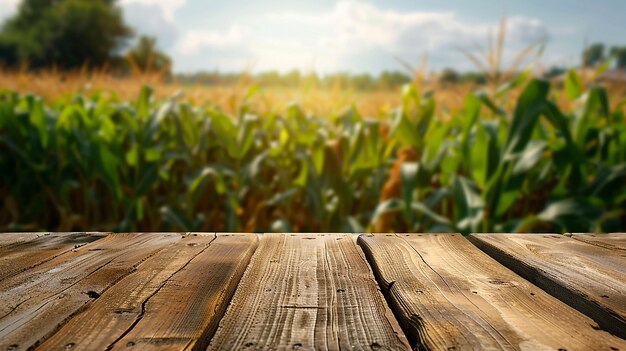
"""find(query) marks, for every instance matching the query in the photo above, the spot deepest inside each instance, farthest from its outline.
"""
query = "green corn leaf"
(37, 118)
(143, 102)
(303, 175)
(403, 130)
(387, 206)
(176, 219)
(149, 177)
(573, 214)
(480, 156)
(573, 87)
(530, 106)
(132, 156)
(408, 177)
(430, 214)
(530, 157)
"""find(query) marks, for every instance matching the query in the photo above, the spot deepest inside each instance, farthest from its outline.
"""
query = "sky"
(364, 36)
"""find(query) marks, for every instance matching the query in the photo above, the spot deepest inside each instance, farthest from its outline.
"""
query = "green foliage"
(449, 75)
(146, 57)
(100, 164)
(66, 33)
(593, 55)
(386, 80)
(620, 56)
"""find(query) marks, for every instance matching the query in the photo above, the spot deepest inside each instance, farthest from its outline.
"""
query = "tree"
(474, 77)
(554, 72)
(392, 79)
(147, 58)
(593, 55)
(363, 81)
(620, 55)
(64, 33)
(449, 75)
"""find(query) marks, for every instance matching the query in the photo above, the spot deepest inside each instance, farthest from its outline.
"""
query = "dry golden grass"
(54, 85)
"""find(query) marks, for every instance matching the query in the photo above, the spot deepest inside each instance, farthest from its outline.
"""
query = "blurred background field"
(53, 85)
(94, 139)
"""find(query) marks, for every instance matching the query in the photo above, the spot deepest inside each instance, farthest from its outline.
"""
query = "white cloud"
(194, 40)
(359, 36)
(168, 7)
(8, 4)
(150, 19)
(7, 8)
(362, 25)
(352, 35)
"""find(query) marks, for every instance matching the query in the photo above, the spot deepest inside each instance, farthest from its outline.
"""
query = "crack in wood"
(145, 302)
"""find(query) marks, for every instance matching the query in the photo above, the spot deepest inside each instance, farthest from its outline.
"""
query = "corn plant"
(98, 163)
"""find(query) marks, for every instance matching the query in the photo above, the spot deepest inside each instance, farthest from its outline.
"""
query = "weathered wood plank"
(23, 251)
(615, 241)
(34, 303)
(450, 295)
(308, 292)
(589, 277)
(14, 238)
(174, 300)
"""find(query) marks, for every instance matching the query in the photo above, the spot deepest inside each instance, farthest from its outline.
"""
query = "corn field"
(503, 162)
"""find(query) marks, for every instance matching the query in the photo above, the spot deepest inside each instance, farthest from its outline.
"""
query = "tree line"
(296, 78)
(76, 34)
(92, 34)
(599, 53)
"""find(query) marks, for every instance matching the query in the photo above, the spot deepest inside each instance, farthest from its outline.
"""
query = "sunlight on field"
(53, 85)
(411, 120)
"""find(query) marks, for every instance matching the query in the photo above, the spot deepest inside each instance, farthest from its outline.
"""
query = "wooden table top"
(218, 291)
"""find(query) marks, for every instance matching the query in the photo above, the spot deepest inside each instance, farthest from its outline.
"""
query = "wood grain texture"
(13, 238)
(615, 241)
(185, 313)
(20, 252)
(449, 295)
(173, 301)
(308, 292)
(34, 303)
(590, 277)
